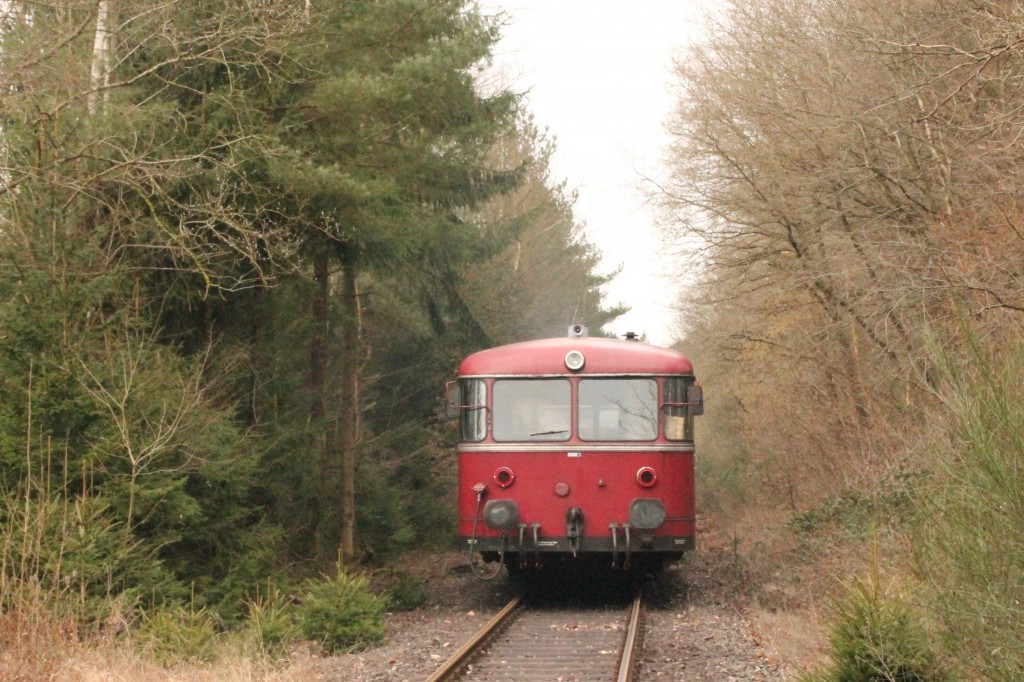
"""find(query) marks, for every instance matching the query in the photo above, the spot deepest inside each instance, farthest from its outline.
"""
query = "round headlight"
(646, 514)
(646, 477)
(504, 477)
(501, 514)
(574, 360)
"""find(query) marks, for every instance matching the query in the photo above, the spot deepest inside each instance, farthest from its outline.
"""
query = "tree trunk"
(351, 405)
(318, 342)
(99, 71)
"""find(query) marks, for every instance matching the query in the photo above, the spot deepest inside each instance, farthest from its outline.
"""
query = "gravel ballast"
(696, 627)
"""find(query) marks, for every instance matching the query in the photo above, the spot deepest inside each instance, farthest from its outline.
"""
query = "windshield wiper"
(549, 433)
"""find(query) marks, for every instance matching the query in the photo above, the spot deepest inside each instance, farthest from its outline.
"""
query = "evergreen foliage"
(968, 542)
(184, 380)
(406, 592)
(271, 621)
(547, 274)
(175, 634)
(341, 612)
(876, 638)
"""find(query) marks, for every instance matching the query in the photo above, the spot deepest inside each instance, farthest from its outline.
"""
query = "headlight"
(646, 477)
(501, 514)
(646, 514)
(504, 477)
(574, 360)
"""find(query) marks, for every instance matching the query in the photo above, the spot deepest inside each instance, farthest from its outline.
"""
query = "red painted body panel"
(547, 356)
(537, 473)
(601, 475)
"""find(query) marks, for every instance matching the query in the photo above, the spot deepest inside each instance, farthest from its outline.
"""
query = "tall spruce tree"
(384, 137)
(547, 273)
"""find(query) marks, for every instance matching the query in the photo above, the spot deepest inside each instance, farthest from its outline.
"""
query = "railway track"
(536, 642)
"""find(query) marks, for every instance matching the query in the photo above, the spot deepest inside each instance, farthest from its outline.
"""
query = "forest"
(244, 244)
(850, 173)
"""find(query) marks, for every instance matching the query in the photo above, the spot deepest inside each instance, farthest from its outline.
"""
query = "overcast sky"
(598, 76)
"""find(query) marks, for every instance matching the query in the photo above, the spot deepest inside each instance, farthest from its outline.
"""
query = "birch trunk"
(99, 71)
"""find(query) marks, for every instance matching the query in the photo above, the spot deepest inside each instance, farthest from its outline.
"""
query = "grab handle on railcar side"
(454, 392)
(695, 398)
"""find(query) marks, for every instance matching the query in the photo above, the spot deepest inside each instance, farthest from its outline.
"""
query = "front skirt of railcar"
(624, 548)
(540, 510)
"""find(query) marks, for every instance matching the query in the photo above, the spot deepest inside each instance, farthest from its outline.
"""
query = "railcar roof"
(603, 356)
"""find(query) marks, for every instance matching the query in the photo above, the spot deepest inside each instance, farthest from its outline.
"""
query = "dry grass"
(108, 664)
(787, 583)
(37, 643)
(44, 651)
(795, 639)
(34, 640)
(756, 562)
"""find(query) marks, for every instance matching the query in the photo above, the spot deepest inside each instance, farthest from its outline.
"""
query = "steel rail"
(627, 665)
(459, 658)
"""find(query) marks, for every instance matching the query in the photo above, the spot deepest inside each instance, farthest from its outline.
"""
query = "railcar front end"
(576, 449)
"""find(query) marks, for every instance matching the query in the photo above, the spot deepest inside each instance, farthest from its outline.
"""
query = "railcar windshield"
(618, 409)
(532, 409)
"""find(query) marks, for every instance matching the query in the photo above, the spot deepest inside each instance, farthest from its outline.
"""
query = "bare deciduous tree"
(849, 174)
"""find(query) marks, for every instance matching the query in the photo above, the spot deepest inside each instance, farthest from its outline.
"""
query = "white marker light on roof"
(574, 360)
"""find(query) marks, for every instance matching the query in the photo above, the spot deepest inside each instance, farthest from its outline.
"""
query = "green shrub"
(856, 514)
(174, 634)
(876, 638)
(969, 546)
(341, 612)
(272, 621)
(406, 593)
(389, 524)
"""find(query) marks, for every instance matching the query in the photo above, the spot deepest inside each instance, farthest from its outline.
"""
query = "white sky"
(598, 75)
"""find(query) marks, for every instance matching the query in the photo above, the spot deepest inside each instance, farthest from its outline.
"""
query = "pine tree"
(383, 148)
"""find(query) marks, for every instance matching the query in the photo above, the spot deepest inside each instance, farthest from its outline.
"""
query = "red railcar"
(574, 449)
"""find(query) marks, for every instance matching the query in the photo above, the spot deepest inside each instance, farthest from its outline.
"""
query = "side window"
(532, 409)
(473, 417)
(678, 417)
(618, 409)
